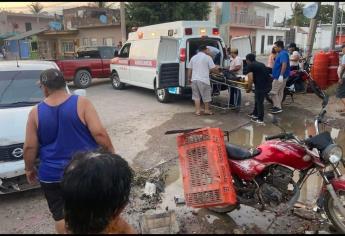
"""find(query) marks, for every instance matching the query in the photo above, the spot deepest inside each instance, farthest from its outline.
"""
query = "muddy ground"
(136, 123)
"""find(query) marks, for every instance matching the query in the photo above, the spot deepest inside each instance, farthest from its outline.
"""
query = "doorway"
(262, 44)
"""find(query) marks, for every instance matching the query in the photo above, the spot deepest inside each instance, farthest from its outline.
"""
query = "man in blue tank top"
(57, 128)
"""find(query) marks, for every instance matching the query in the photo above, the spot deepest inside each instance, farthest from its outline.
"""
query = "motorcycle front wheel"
(223, 209)
(333, 214)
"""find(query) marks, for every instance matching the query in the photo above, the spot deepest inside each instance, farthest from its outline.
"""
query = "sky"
(56, 7)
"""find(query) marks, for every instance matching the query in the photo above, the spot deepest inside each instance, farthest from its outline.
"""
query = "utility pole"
(341, 24)
(334, 25)
(311, 35)
(123, 22)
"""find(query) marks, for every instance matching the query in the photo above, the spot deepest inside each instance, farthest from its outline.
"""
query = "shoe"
(271, 108)
(259, 122)
(252, 116)
(276, 110)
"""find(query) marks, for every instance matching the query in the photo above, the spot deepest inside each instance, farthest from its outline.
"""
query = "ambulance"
(156, 56)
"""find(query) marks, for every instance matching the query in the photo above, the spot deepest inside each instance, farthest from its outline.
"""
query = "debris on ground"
(179, 200)
(150, 189)
(305, 214)
(162, 223)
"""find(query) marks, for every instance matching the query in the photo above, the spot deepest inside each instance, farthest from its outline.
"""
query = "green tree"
(101, 4)
(35, 8)
(298, 19)
(148, 13)
(326, 14)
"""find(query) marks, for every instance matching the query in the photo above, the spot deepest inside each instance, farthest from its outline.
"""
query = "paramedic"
(199, 69)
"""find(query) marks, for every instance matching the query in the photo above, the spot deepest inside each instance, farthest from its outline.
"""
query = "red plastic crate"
(205, 169)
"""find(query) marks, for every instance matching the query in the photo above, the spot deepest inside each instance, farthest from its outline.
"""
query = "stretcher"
(233, 84)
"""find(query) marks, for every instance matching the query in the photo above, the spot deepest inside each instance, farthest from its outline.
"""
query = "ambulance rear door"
(168, 65)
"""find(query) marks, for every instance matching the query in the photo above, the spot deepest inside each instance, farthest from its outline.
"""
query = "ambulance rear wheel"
(163, 95)
(115, 81)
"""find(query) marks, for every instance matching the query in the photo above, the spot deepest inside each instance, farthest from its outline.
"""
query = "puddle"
(301, 125)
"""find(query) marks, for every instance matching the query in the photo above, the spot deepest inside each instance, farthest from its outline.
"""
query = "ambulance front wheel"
(163, 95)
(115, 81)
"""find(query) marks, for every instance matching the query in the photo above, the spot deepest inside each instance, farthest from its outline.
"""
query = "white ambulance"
(156, 56)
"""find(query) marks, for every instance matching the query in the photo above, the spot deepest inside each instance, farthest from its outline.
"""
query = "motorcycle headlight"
(333, 153)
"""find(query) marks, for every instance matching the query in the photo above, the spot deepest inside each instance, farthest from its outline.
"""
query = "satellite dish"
(310, 11)
(103, 19)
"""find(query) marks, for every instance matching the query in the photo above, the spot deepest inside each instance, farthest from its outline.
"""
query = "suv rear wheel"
(115, 81)
(82, 79)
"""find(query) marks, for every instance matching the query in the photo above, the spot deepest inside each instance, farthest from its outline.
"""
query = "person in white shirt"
(236, 67)
(199, 69)
(294, 56)
(236, 64)
(215, 54)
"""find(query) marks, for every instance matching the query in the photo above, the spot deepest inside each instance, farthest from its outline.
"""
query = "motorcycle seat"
(239, 153)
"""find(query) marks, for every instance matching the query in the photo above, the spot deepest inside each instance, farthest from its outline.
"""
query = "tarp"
(26, 34)
(7, 35)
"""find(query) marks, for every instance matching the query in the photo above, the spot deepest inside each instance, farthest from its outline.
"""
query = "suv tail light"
(188, 31)
(215, 31)
(182, 54)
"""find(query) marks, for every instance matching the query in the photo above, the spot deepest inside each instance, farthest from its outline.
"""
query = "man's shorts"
(53, 194)
(201, 90)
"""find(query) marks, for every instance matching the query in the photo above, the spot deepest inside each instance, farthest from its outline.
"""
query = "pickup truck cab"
(91, 62)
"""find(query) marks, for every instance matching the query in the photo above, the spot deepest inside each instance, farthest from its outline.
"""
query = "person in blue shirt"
(57, 128)
(280, 74)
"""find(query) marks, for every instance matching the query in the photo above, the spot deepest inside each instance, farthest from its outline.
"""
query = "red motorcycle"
(263, 178)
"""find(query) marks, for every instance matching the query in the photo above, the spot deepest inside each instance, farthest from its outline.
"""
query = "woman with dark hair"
(271, 59)
(96, 187)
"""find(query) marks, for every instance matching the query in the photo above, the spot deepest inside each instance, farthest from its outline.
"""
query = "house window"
(279, 38)
(270, 40)
(107, 41)
(28, 26)
(68, 46)
(85, 42)
(34, 46)
(267, 19)
(93, 42)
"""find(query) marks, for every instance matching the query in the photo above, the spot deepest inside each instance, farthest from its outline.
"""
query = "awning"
(26, 34)
(7, 35)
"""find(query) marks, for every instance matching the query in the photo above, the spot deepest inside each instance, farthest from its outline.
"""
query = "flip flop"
(208, 113)
(197, 114)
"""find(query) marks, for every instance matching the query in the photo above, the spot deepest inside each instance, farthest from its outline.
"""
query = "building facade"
(253, 19)
(19, 23)
(82, 26)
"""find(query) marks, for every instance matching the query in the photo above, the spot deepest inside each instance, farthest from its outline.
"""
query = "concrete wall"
(239, 31)
(322, 38)
(6, 23)
(267, 32)
(113, 32)
(262, 11)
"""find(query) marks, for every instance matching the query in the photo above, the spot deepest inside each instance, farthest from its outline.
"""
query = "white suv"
(19, 92)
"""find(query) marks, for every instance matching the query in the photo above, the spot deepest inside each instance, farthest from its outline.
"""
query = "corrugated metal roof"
(26, 34)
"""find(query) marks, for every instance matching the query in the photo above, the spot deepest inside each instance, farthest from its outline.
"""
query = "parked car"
(90, 62)
(19, 92)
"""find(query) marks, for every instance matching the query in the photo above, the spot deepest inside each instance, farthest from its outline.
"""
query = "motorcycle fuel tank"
(285, 153)
(272, 152)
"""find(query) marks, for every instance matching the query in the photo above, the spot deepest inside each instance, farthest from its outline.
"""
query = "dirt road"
(136, 123)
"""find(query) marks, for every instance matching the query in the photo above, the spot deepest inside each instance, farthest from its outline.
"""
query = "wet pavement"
(136, 123)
